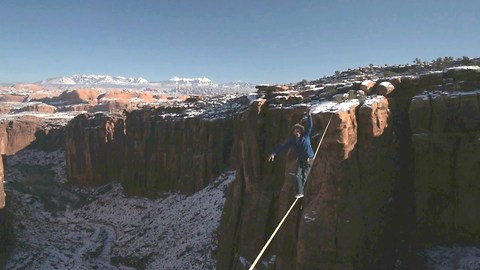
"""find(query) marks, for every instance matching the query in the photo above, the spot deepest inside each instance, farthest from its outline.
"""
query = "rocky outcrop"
(12, 98)
(393, 175)
(385, 88)
(148, 151)
(27, 131)
(367, 85)
(94, 149)
(38, 107)
(77, 96)
(18, 133)
(345, 199)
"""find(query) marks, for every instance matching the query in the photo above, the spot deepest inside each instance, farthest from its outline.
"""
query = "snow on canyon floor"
(59, 226)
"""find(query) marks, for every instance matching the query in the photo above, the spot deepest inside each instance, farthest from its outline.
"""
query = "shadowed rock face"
(16, 134)
(2, 191)
(26, 131)
(146, 152)
(446, 141)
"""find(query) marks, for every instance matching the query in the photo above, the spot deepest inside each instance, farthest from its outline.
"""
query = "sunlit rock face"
(393, 174)
(346, 195)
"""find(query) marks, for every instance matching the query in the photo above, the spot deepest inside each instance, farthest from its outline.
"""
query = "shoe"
(298, 196)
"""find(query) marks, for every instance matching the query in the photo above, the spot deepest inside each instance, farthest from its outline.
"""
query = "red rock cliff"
(351, 182)
(147, 152)
(392, 175)
(18, 133)
(15, 135)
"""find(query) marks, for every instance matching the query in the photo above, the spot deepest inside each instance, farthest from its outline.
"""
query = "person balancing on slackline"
(300, 142)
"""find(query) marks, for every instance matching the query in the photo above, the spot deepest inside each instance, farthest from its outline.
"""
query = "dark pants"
(303, 169)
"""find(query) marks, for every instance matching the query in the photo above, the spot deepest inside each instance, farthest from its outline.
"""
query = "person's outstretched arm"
(309, 124)
(281, 148)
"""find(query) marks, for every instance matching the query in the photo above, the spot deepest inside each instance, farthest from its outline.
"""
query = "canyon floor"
(59, 226)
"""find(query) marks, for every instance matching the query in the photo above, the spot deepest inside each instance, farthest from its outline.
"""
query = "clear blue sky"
(260, 41)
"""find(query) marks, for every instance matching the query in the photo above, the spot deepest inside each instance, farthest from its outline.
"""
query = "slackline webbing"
(291, 207)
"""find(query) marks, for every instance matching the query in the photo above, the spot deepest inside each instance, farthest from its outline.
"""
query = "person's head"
(298, 130)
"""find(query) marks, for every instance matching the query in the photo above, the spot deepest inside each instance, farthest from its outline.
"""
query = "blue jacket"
(303, 147)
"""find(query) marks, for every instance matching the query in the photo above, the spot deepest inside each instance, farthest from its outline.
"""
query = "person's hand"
(271, 157)
(305, 115)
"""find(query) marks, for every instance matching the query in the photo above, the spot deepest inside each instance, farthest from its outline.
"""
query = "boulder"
(38, 107)
(272, 88)
(18, 133)
(77, 96)
(12, 98)
(367, 86)
(385, 88)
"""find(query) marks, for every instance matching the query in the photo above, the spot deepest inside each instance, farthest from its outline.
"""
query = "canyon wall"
(147, 152)
(393, 176)
(16, 134)
(446, 142)
(344, 217)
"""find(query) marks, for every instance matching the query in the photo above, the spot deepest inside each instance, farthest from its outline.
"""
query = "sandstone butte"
(395, 173)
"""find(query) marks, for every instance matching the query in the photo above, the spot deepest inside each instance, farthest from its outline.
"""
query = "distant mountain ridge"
(203, 80)
(93, 79)
(107, 79)
(179, 85)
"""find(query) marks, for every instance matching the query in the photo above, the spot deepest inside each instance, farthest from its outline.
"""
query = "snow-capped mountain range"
(203, 80)
(201, 85)
(93, 79)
